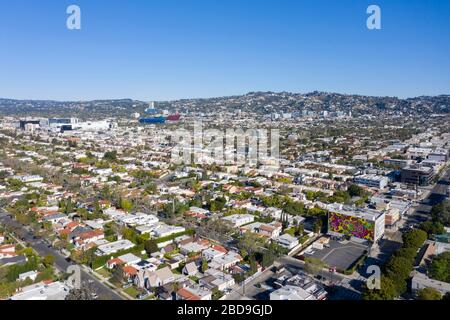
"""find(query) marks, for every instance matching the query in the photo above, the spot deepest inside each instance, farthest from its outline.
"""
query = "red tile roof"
(128, 270)
(220, 248)
(187, 295)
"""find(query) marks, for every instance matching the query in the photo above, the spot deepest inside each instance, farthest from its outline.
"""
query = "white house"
(148, 279)
(238, 220)
(28, 275)
(218, 279)
(210, 254)
(291, 293)
(194, 292)
(287, 241)
(129, 259)
(43, 291)
(190, 269)
(164, 230)
(113, 247)
(136, 219)
(226, 261)
(192, 247)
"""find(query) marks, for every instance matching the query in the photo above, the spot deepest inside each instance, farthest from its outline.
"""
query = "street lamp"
(332, 271)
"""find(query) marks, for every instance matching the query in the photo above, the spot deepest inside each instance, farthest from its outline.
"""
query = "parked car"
(143, 295)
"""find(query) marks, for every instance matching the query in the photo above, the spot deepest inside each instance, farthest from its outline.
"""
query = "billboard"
(351, 226)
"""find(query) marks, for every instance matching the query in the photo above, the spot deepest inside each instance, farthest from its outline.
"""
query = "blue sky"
(169, 49)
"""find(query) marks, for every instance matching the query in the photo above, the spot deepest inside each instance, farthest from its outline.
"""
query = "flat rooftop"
(364, 213)
(339, 255)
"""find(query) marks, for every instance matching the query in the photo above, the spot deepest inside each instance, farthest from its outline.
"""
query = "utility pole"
(243, 283)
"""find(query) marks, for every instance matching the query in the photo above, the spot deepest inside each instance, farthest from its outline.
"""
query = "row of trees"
(440, 267)
(398, 268)
(440, 219)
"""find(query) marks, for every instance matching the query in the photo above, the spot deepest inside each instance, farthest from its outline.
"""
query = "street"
(436, 196)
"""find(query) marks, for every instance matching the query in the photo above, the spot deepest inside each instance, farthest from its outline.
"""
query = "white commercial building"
(372, 181)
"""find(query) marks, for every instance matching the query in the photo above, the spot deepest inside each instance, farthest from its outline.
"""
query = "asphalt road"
(103, 291)
(436, 196)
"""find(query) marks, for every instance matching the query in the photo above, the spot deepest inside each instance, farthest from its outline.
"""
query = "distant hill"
(256, 102)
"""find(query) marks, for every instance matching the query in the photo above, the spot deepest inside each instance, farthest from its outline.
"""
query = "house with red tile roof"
(194, 293)
(8, 251)
(112, 263)
(130, 272)
(88, 237)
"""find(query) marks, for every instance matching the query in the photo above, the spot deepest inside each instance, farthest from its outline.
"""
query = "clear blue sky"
(169, 49)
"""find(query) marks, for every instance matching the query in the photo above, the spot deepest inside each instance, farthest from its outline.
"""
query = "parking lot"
(341, 255)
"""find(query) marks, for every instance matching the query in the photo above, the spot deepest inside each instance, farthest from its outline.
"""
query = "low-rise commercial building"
(372, 181)
(417, 175)
(366, 224)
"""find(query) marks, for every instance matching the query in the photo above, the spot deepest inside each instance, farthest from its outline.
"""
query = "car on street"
(142, 296)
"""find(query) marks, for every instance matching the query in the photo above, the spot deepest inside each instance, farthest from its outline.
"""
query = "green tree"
(399, 267)
(432, 227)
(151, 188)
(125, 204)
(317, 226)
(294, 208)
(356, 191)
(217, 204)
(151, 246)
(313, 265)
(414, 238)
(48, 260)
(118, 275)
(441, 213)
(110, 156)
(204, 265)
(440, 267)
(130, 234)
(248, 243)
(387, 290)
(253, 264)
(268, 258)
(429, 294)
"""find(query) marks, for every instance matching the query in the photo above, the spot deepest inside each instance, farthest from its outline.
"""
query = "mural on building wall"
(351, 226)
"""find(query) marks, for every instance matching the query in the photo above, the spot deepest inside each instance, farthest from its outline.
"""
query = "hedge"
(175, 235)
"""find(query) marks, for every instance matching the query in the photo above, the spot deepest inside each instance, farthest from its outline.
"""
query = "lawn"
(104, 272)
(132, 291)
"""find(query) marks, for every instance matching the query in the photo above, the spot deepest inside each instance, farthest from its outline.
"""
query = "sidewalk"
(106, 282)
